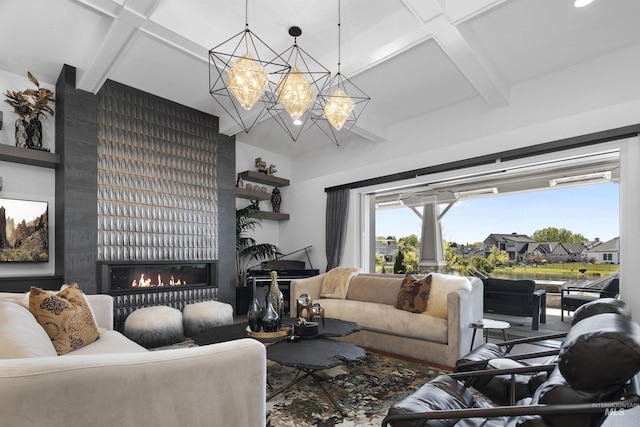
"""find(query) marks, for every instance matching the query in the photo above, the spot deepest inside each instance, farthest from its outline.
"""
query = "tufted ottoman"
(154, 326)
(205, 315)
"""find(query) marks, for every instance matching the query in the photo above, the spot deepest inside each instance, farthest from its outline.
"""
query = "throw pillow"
(441, 286)
(407, 293)
(335, 283)
(65, 316)
(414, 293)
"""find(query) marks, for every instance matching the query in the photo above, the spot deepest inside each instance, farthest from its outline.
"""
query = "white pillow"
(504, 364)
(441, 286)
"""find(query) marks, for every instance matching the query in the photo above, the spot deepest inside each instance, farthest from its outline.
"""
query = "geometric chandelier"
(341, 103)
(297, 91)
(242, 71)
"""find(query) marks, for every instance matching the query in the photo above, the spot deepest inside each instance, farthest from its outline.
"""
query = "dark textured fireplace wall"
(141, 178)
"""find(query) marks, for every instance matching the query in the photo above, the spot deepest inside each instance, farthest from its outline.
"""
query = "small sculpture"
(261, 165)
(272, 169)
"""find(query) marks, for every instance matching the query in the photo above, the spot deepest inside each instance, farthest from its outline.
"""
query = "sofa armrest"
(219, 384)
(102, 309)
(308, 285)
(463, 308)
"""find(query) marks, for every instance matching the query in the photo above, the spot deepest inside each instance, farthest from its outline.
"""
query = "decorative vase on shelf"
(255, 316)
(276, 199)
(22, 133)
(270, 319)
(35, 132)
(275, 297)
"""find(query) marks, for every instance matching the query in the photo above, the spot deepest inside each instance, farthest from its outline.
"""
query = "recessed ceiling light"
(582, 3)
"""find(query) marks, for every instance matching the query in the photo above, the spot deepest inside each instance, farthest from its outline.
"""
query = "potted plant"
(29, 104)
(247, 250)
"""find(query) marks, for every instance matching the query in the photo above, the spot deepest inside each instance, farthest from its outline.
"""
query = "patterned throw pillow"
(413, 294)
(65, 316)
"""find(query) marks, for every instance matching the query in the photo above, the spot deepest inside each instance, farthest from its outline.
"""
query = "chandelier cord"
(339, 38)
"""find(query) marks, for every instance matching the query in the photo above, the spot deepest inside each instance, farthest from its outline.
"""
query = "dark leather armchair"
(515, 298)
(574, 297)
(593, 376)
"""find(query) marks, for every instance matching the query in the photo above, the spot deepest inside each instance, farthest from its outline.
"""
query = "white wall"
(24, 181)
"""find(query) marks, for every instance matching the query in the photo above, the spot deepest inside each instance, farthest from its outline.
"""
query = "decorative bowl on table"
(305, 329)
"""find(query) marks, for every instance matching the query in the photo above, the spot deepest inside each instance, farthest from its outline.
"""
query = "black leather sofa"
(593, 376)
(515, 298)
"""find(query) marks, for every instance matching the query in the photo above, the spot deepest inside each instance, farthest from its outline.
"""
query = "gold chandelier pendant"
(338, 108)
(247, 80)
(295, 94)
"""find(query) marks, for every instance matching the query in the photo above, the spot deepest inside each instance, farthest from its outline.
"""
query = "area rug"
(365, 390)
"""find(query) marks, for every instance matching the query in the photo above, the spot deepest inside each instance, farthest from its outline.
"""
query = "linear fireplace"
(135, 285)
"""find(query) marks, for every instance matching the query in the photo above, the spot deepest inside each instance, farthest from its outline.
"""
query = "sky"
(593, 211)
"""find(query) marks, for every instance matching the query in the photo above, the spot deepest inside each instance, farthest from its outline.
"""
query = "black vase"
(270, 319)
(35, 133)
(276, 199)
(22, 133)
(255, 316)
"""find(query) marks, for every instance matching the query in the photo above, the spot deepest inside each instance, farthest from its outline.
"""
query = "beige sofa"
(370, 302)
(115, 382)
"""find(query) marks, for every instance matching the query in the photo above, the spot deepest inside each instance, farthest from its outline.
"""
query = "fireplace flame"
(143, 282)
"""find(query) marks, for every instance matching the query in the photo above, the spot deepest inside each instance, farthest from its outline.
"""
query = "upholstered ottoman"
(205, 315)
(154, 326)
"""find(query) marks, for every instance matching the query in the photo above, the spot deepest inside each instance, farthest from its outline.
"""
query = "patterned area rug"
(365, 390)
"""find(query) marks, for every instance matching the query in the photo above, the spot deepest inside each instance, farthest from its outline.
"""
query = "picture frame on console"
(24, 231)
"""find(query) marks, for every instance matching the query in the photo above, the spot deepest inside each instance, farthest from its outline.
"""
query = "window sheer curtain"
(336, 225)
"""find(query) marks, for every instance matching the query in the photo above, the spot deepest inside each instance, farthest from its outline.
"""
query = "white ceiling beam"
(123, 32)
(484, 78)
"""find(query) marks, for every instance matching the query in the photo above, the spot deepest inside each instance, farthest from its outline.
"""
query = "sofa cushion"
(65, 316)
(387, 319)
(110, 342)
(20, 334)
(441, 286)
(414, 293)
(378, 288)
(335, 283)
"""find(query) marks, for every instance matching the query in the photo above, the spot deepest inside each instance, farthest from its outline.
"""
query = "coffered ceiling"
(412, 57)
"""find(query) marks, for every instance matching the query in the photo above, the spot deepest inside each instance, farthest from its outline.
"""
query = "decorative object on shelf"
(261, 165)
(275, 297)
(263, 189)
(30, 104)
(271, 171)
(240, 79)
(342, 102)
(35, 132)
(239, 182)
(297, 91)
(248, 186)
(22, 134)
(276, 199)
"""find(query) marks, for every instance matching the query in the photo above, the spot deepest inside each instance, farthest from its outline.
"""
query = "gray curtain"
(336, 225)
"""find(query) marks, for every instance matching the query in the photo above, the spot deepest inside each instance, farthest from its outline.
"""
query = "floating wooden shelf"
(263, 178)
(275, 216)
(243, 193)
(27, 156)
